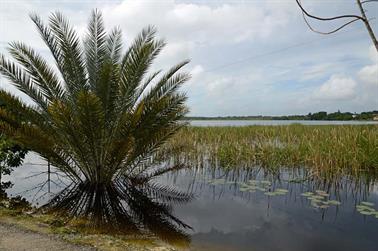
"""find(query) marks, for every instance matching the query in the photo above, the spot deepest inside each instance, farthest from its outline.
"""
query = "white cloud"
(373, 54)
(369, 74)
(223, 23)
(191, 28)
(317, 71)
(195, 74)
(196, 71)
(338, 87)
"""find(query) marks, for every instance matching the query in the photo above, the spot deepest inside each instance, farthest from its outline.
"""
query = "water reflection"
(226, 218)
(3, 187)
(123, 207)
(14, 203)
(224, 214)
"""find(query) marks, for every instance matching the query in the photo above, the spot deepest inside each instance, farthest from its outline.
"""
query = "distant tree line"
(371, 115)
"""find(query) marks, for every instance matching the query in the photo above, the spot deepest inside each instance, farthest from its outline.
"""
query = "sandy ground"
(15, 239)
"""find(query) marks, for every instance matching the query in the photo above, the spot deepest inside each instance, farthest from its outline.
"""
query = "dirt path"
(15, 239)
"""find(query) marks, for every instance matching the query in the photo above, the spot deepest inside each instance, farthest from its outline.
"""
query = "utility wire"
(264, 55)
(273, 52)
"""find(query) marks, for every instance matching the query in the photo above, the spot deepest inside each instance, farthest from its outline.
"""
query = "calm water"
(275, 122)
(224, 218)
(232, 212)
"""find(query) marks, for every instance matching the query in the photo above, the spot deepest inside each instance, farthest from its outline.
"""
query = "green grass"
(333, 149)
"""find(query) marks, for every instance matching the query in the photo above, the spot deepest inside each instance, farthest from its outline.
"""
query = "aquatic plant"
(367, 208)
(325, 150)
(320, 199)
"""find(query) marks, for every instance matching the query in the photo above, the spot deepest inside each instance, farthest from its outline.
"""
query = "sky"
(251, 57)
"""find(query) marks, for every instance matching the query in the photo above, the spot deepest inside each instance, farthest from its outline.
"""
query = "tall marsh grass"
(336, 149)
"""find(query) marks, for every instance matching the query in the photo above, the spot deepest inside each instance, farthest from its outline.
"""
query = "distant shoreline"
(318, 116)
(269, 119)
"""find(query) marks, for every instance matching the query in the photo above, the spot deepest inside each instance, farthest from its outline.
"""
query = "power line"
(272, 52)
(264, 55)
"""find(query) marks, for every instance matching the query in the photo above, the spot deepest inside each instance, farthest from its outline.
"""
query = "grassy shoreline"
(48, 224)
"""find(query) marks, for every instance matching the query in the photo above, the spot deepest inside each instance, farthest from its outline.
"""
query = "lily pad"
(270, 193)
(322, 193)
(365, 208)
(280, 190)
(369, 204)
(266, 182)
(261, 189)
(334, 202)
(217, 181)
(316, 197)
(316, 201)
(244, 189)
(307, 194)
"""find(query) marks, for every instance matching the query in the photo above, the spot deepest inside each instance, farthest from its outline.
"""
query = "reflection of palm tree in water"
(17, 202)
(123, 207)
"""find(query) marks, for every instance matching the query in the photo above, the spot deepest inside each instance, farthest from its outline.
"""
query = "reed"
(337, 149)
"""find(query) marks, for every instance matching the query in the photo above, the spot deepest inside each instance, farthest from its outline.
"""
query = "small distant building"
(375, 118)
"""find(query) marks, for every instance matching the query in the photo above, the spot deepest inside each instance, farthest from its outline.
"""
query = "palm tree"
(97, 116)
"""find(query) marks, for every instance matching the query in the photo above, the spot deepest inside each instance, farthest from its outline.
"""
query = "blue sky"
(247, 57)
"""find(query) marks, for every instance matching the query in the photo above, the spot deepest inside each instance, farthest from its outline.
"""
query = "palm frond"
(109, 72)
(114, 45)
(50, 40)
(71, 53)
(23, 82)
(95, 49)
(137, 61)
(38, 69)
(169, 82)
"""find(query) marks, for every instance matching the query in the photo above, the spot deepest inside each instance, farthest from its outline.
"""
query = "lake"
(254, 209)
(276, 122)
